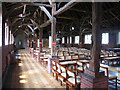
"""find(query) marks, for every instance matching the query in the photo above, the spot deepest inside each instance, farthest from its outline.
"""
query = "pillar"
(53, 30)
(1, 78)
(40, 39)
(65, 40)
(73, 40)
(92, 78)
(34, 41)
(112, 39)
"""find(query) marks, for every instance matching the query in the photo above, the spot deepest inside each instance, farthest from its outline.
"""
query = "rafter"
(63, 17)
(114, 15)
(66, 7)
(79, 10)
(50, 1)
(42, 25)
(24, 9)
(31, 28)
(15, 7)
(20, 18)
(47, 13)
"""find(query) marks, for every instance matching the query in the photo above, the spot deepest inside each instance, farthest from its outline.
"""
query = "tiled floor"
(29, 74)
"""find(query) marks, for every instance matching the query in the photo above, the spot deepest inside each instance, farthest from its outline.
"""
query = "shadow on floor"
(12, 76)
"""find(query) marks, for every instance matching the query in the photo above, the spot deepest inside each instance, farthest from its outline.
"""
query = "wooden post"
(53, 30)
(65, 40)
(69, 41)
(3, 33)
(96, 36)
(73, 40)
(34, 41)
(41, 30)
(31, 41)
(92, 78)
(40, 39)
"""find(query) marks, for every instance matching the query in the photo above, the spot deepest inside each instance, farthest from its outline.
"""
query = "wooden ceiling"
(78, 16)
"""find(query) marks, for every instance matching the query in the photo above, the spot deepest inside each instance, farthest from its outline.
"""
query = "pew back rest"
(105, 69)
(68, 58)
(75, 57)
(70, 73)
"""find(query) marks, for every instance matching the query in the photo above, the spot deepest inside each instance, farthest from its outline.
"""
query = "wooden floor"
(29, 74)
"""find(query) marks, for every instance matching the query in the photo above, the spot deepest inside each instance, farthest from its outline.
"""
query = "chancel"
(61, 45)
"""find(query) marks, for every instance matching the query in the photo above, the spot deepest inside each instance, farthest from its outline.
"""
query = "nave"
(60, 44)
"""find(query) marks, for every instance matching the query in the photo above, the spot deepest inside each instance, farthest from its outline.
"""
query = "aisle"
(29, 74)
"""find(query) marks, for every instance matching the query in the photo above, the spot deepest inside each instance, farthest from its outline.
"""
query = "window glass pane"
(70, 40)
(0, 24)
(67, 39)
(105, 38)
(118, 37)
(38, 43)
(6, 34)
(50, 41)
(0, 37)
(0, 31)
(88, 39)
(10, 38)
(76, 39)
(63, 40)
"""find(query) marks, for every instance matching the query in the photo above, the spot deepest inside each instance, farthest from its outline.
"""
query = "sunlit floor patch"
(22, 81)
(22, 76)
(20, 64)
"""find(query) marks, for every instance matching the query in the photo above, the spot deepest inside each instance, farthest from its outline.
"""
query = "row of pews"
(70, 73)
(109, 56)
(71, 62)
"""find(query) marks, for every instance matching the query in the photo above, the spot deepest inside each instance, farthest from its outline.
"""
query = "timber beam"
(38, 4)
(47, 13)
(42, 25)
(66, 7)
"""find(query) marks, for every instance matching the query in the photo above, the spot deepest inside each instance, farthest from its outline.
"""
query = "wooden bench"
(73, 80)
